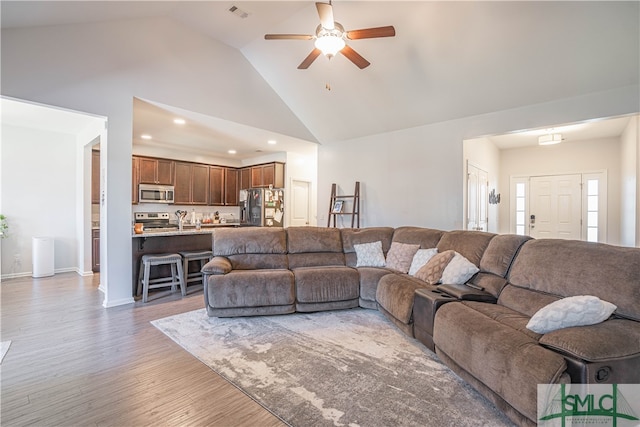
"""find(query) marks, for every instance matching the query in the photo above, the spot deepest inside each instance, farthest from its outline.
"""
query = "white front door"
(300, 199)
(477, 198)
(556, 207)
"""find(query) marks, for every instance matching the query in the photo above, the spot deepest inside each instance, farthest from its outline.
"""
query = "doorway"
(477, 198)
(300, 202)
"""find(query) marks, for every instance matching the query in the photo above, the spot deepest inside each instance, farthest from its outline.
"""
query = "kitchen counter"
(186, 231)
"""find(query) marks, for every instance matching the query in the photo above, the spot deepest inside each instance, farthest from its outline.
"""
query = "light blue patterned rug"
(335, 368)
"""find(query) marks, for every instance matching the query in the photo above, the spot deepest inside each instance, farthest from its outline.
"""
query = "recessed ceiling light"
(145, 136)
(179, 121)
(232, 151)
(272, 142)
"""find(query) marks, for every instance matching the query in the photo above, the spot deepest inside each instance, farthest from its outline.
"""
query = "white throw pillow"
(369, 254)
(458, 271)
(421, 258)
(580, 310)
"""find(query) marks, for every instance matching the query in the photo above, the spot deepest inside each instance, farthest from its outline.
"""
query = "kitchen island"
(174, 241)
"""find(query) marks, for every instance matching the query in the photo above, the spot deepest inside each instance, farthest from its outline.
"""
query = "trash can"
(42, 256)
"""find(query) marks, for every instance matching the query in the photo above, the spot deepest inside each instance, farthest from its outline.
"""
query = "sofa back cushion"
(469, 244)
(496, 261)
(355, 236)
(252, 247)
(314, 246)
(425, 237)
(571, 267)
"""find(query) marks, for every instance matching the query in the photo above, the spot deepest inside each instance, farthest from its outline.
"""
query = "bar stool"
(176, 278)
(188, 256)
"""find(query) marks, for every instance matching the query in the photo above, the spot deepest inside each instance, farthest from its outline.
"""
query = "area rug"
(4, 347)
(335, 368)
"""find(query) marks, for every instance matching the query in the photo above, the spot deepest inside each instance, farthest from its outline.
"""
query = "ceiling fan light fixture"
(550, 139)
(330, 43)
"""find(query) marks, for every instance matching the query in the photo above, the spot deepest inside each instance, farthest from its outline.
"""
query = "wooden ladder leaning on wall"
(337, 205)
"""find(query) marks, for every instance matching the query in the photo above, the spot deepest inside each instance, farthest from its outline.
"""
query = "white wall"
(414, 176)
(302, 166)
(568, 157)
(39, 171)
(484, 154)
(629, 189)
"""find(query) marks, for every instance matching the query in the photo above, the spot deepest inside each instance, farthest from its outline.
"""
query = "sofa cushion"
(369, 279)
(326, 284)
(523, 300)
(251, 288)
(425, 237)
(432, 271)
(500, 253)
(314, 239)
(458, 271)
(395, 295)
(421, 257)
(315, 259)
(217, 265)
(580, 310)
(258, 261)
(354, 236)
(469, 244)
(400, 256)
(369, 254)
(496, 354)
(250, 240)
(570, 267)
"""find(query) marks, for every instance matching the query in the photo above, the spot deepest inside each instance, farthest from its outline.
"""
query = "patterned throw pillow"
(369, 254)
(458, 271)
(421, 258)
(581, 310)
(431, 272)
(400, 256)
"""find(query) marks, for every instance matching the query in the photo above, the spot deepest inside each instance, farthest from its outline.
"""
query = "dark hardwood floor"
(74, 363)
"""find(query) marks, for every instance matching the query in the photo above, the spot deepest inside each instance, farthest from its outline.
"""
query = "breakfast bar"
(156, 242)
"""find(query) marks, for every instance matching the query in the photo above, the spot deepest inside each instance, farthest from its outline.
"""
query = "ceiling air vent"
(238, 12)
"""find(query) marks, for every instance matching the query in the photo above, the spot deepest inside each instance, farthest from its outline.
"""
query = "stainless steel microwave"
(155, 193)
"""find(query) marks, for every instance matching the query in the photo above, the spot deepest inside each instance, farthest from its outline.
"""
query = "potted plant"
(4, 227)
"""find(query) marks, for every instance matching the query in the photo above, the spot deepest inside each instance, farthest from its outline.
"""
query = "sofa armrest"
(467, 293)
(218, 265)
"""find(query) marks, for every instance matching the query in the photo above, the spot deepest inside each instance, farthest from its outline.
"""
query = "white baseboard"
(122, 301)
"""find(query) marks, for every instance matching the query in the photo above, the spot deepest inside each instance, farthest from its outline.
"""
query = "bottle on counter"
(193, 216)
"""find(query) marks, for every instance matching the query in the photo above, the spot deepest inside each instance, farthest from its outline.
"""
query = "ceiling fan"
(330, 38)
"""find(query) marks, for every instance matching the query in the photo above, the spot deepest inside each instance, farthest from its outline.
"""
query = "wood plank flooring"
(74, 363)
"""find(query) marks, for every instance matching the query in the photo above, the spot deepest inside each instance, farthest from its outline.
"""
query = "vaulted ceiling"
(448, 59)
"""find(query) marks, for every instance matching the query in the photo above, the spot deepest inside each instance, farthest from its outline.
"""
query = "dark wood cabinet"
(268, 174)
(191, 184)
(216, 185)
(155, 171)
(134, 181)
(231, 187)
(95, 177)
(95, 250)
(245, 178)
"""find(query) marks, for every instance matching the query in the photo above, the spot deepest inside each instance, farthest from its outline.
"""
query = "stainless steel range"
(156, 221)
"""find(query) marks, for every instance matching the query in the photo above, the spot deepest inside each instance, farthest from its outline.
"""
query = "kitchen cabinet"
(231, 189)
(95, 250)
(95, 177)
(268, 174)
(134, 181)
(245, 178)
(191, 184)
(216, 185)
(155, 171)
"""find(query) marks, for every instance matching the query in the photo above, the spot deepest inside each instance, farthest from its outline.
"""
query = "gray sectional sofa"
(478, 328)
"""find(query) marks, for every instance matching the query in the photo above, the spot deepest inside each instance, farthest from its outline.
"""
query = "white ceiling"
(448, 60)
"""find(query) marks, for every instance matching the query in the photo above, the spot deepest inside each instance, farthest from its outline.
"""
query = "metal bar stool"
(176, 278)
(188, 256)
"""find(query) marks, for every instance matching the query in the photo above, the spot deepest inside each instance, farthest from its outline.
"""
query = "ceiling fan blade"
(370, 33)
(288, 37)
(309, 59)
(325, 11)
(355, 57)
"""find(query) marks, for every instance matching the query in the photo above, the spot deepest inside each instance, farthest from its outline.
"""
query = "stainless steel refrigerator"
(265, 207)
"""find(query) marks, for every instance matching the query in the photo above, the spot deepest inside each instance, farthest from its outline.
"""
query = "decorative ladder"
(355, 211)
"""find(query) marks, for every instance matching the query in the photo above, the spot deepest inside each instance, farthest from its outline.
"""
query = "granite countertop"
(186, 231)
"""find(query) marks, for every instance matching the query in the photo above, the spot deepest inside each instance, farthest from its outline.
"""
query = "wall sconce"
(494, 198)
